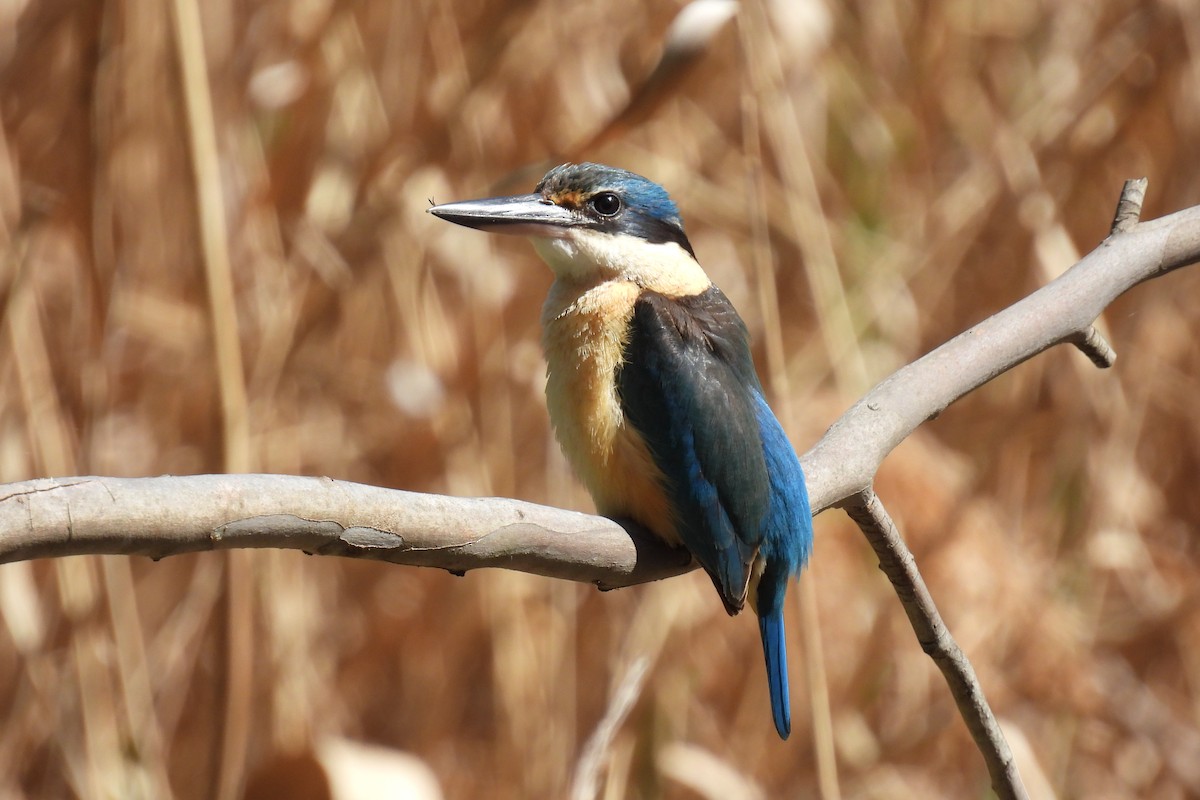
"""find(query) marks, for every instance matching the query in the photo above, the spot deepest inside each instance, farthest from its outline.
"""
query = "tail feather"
(770, 625)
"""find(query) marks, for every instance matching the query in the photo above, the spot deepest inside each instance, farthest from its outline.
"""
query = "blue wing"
(688, 386)
(788, 537)
(786, 546)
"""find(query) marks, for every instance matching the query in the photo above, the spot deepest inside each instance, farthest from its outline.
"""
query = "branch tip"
(1129, 207)
(1093, 345)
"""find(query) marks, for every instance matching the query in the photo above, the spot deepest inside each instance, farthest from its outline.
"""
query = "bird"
(652, 390)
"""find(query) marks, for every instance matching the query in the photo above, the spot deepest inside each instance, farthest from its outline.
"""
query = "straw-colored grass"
(863, 179)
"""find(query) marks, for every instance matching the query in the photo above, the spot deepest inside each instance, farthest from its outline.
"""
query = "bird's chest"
(585, 331)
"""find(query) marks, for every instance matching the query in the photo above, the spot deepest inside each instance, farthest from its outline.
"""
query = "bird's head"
(590, 222)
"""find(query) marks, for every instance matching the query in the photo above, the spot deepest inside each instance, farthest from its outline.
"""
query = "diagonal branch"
(897, 562)
(846, 458)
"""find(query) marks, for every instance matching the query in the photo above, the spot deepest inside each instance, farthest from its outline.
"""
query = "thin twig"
(896, 561)
(1129, 211)
(1093, 345)
(587, 771)
(1129, 206)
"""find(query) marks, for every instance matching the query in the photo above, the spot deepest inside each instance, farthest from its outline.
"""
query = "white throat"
(587, 257)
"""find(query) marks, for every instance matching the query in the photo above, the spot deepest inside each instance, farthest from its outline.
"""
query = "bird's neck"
(585, 259)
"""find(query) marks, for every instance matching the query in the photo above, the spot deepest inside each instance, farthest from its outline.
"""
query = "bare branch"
(1093, 345)
(1129, 206)
(897, 563)
(158, 517)
(846, 458)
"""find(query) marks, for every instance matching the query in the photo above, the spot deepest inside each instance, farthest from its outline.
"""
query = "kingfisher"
(652, 389)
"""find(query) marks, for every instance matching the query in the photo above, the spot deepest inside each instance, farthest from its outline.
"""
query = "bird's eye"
(606, 204)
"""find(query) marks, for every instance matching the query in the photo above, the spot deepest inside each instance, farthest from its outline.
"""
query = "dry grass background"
(864, 179)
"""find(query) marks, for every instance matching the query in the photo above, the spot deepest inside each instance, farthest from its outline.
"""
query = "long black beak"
(524, 215)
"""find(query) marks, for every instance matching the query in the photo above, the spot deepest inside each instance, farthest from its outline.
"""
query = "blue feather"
(688, 387)
(649, 213)
(775, 651)
(788, 534)
(648, 197)
(697, 415)
(787, 543)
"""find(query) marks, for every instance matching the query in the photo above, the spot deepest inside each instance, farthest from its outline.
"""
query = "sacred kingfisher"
(652, 390)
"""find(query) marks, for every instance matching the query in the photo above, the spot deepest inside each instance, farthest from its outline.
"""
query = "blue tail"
(786, 545)
(770, 626)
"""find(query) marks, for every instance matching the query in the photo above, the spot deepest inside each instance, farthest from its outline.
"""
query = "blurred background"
(215, 256)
